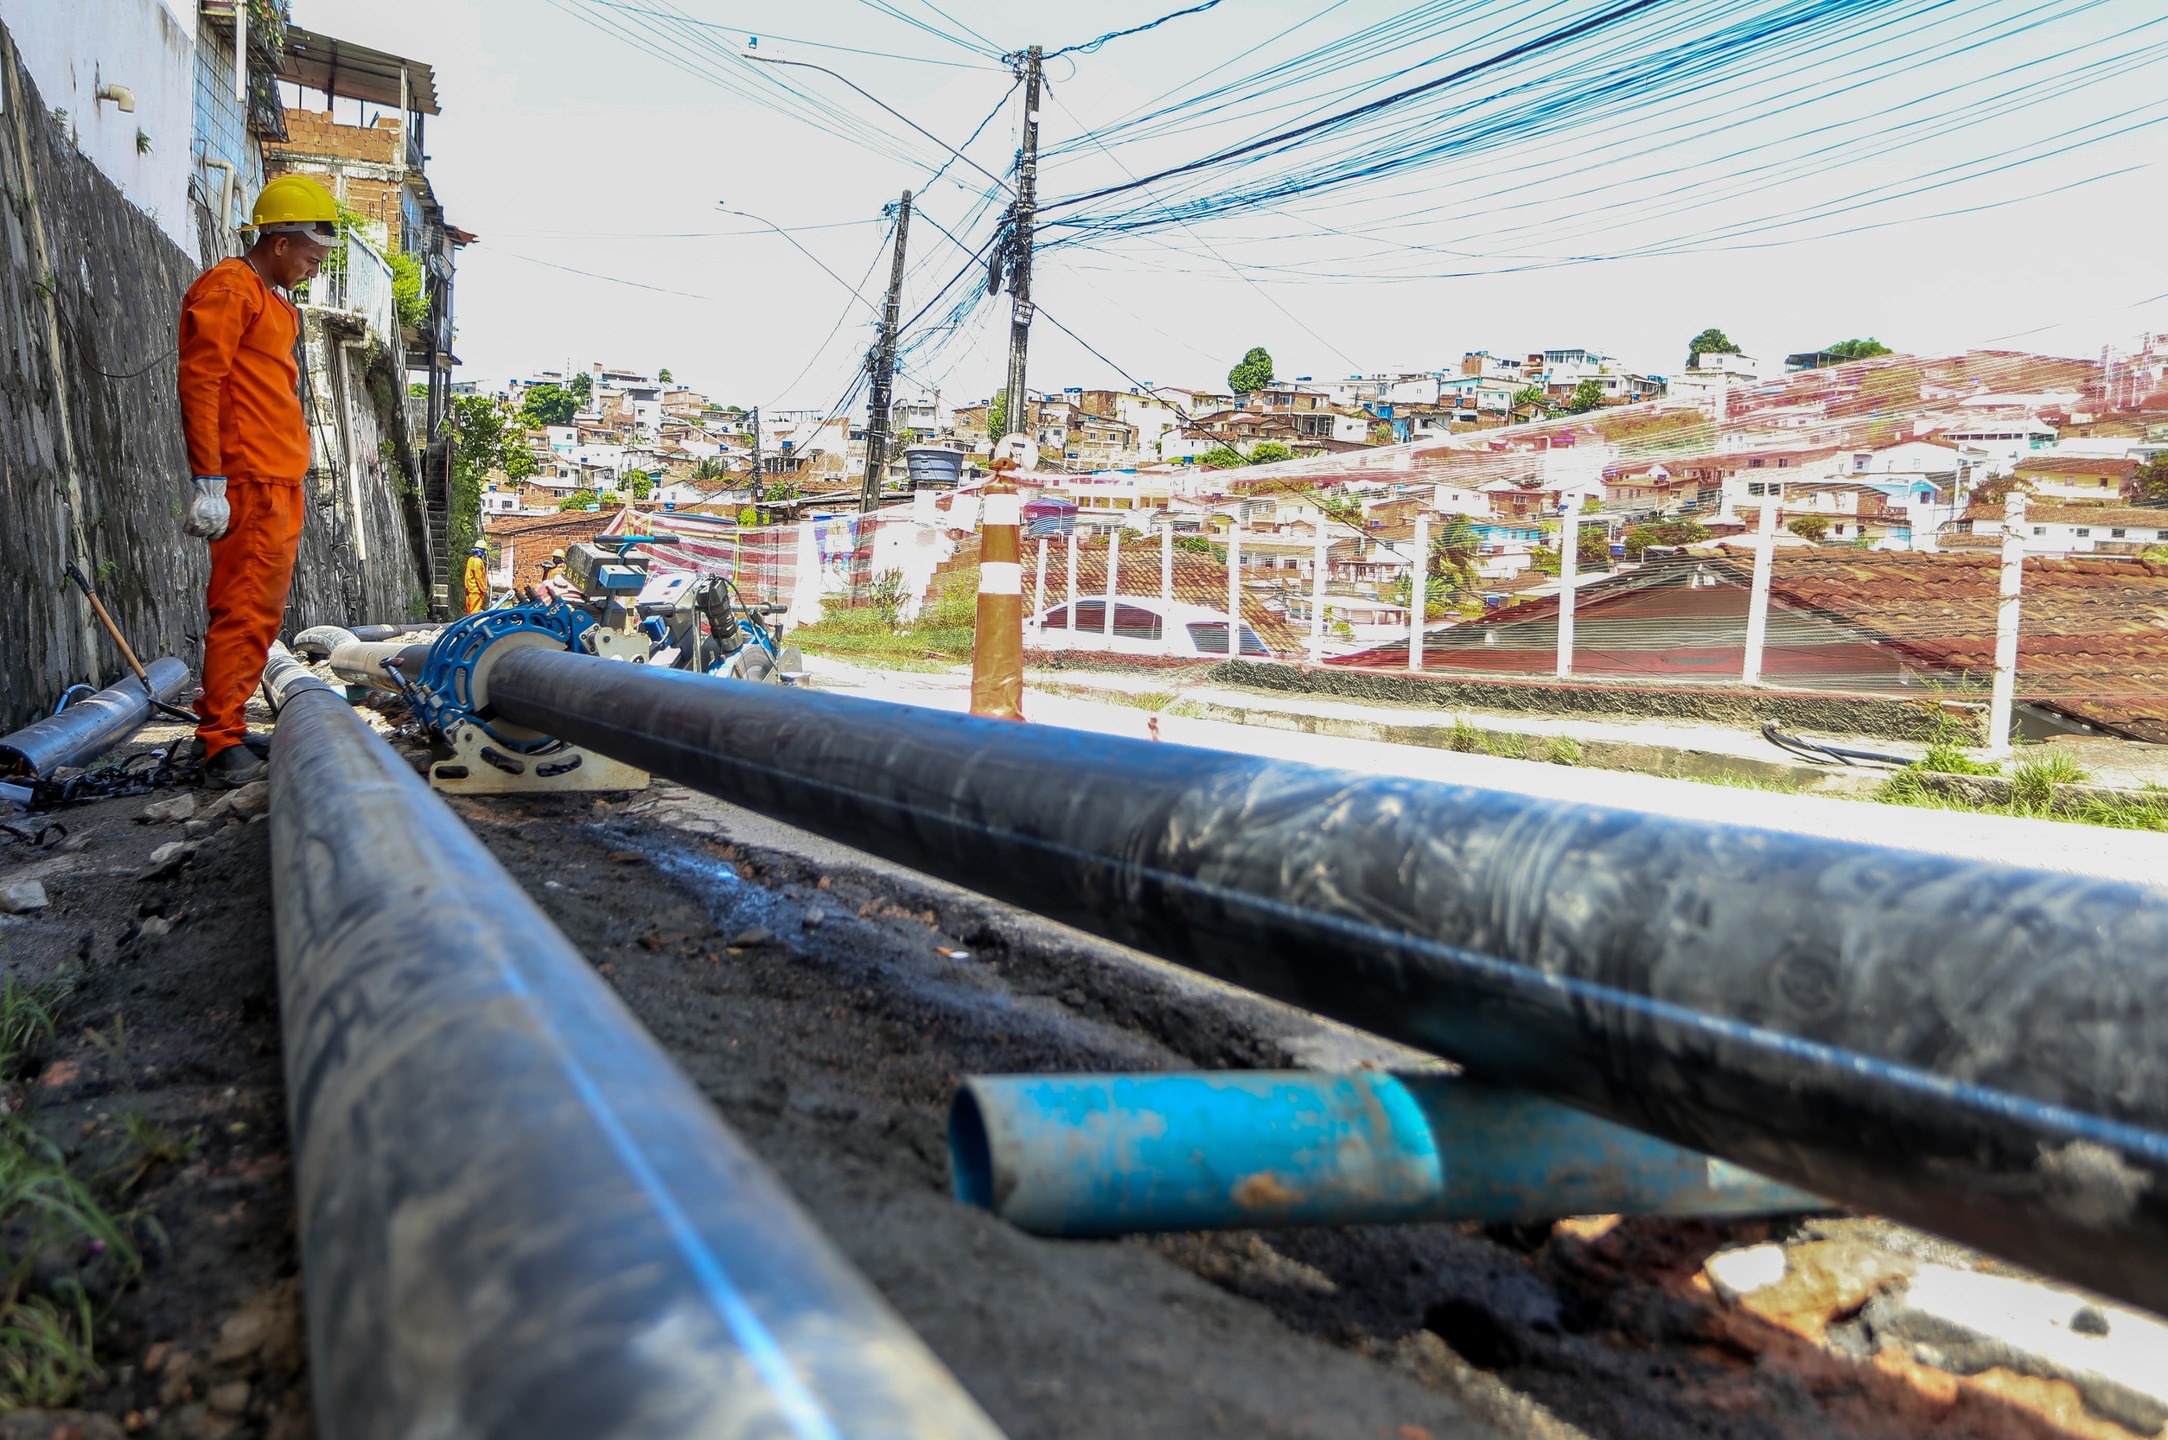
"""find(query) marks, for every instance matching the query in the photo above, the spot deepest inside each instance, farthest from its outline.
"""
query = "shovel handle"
(90, 593)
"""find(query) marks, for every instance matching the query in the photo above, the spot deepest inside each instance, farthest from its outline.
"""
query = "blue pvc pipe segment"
(1081, 1155)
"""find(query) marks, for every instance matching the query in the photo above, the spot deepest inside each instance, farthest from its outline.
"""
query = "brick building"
(355, 120)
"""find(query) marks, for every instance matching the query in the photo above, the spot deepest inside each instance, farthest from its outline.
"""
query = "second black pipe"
(1976, 1049)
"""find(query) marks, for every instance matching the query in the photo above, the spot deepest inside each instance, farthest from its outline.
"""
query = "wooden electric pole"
(882, 362)
(1020, 416)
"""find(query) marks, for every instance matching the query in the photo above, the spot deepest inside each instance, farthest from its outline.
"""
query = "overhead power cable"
(1091, 47)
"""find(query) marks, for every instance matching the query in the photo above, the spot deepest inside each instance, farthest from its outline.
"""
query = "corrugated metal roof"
(340, 67)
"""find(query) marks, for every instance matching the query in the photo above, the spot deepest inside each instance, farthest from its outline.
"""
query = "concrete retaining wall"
(91, 460)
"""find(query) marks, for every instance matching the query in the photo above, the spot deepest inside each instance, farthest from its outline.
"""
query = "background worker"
(248, 449)
(553, 585)
(477, 580)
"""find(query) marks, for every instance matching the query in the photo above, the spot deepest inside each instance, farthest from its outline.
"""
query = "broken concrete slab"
(1966, 1322)
(168, 858)
(22, 896)
(171, 811)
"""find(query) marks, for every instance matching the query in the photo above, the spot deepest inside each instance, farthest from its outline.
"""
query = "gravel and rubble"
(828, 1002)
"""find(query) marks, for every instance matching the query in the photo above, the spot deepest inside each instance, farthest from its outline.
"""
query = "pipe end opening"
(971, 1156)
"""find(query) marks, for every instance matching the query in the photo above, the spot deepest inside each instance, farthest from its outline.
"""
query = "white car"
(1143, 625)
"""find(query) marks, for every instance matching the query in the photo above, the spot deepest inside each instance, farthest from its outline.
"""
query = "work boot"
(233, 767)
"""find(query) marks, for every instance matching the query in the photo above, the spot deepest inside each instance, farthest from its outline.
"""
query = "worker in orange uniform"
(476, 580)
(248, 449)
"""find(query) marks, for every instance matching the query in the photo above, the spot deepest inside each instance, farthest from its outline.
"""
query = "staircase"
(436, 508)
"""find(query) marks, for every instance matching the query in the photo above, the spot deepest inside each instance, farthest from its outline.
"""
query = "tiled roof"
(2129, 516)
(2077, 465)
(2092, 639)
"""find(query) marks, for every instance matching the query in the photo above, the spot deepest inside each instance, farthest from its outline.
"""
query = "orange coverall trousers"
(252, 566)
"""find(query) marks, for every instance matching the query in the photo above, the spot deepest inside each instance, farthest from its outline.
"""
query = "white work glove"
(208, 512)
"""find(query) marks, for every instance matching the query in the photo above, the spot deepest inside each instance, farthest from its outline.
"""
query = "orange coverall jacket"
(240, 384)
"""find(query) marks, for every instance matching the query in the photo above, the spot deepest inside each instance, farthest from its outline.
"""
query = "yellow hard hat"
(295, 202)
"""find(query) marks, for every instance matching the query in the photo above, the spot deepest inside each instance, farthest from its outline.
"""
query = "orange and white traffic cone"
(997, 652)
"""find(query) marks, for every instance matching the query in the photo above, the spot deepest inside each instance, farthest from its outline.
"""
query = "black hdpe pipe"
(518, 1220)
(1973, 1048)
(91, 726)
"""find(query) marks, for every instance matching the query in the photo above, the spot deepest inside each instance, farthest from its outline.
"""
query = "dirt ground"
(827, 1003)
(162, 1088)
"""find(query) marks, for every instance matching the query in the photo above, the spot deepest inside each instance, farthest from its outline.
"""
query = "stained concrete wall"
(73, 47)
(91, 461)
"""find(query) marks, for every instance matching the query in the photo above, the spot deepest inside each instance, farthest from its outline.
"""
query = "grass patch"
(1946, 757)
(1464, 738)
(1564, 750)
(26, 1026)
(2036, 777)
(871, 633)
(1506, 745)
(2118, 812)
(61, 1248)
(1154, 700)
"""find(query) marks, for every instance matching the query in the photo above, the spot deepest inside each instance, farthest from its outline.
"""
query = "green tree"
(548, 405)
(1222, 457)
(577, 500)
(1253, 374)
(1531, 397)
(1865, 349)
(997, 414)
(1454, 549)
(712, 467)
(1594, 552)
(1808, 527)
(638, 483)
(1664, 532)
(1270, 453)
(581, 387)
(407, 293)
(2151, 481)
(1711, 341)
(483, 439)
(1586, 396)
(664, 375)
(1199, 545)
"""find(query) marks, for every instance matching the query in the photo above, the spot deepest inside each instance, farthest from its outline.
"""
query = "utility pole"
(758, 482)
(882, 362)
(1027, 184)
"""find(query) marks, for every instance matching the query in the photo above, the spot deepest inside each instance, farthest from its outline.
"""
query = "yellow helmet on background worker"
(296, 204)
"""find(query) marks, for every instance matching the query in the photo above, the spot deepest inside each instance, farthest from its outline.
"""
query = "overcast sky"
(592, 172)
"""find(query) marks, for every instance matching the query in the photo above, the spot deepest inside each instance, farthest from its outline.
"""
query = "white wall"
(71, 47)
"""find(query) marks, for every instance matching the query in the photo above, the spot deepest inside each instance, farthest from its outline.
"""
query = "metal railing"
(356, 279)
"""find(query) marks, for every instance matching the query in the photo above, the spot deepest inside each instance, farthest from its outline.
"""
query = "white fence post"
(1757, 605)
(1038, 588)
(1114, 588)
(1419, 592)
(2006, 618)
(1318, 565)
(1569, 569)
(1234, 589)
(1166, 586)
